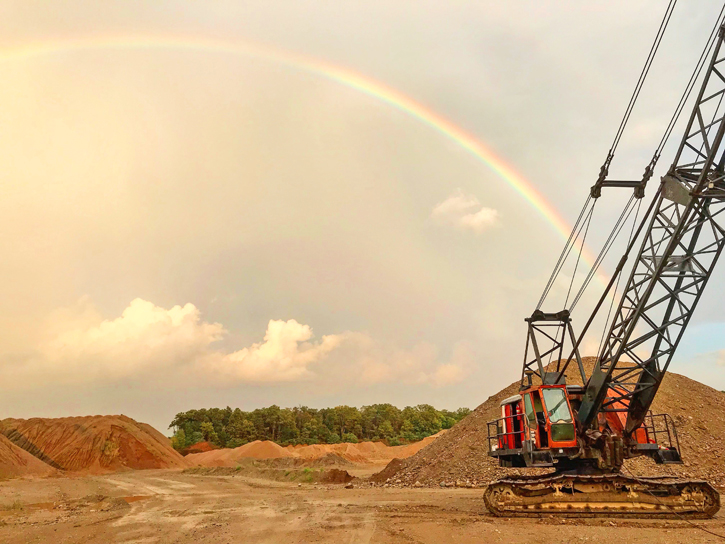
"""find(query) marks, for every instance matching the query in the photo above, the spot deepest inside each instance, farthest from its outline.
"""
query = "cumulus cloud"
(285, 355)
(465, 212)
(148, 341)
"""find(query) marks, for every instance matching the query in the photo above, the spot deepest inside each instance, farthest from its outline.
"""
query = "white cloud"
(285, 355)
(465, 212)
(177, 346)
(77, 345)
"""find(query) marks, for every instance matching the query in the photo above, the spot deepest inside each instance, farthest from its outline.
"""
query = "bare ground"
(165, 506)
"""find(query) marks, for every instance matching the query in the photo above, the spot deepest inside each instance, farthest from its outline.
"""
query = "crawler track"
(601, 495)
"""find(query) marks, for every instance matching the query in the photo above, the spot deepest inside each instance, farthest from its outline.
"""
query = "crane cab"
(536, 426)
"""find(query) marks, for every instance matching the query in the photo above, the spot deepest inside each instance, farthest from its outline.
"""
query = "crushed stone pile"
(92, 444)
(459, 458)
(362, 453)
(16, 462)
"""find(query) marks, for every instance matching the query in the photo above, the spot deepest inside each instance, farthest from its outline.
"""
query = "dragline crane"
(586, 431)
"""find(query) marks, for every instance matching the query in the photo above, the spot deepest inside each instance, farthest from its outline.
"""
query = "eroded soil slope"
(93, 443)
(460, 456)
(15, 462)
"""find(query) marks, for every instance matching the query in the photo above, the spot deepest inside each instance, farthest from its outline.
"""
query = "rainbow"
(329, 71)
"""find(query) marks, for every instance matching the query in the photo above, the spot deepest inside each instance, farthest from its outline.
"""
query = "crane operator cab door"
(550, 429)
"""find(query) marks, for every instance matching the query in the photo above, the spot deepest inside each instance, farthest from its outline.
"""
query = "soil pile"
(199, 447)
(227, 457)
(363, 452)
(460, 456)
(94, 444)
(15, 462)
(336, 476)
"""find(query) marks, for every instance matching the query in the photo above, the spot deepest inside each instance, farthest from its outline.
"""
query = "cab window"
(557, 410)
(556, 406)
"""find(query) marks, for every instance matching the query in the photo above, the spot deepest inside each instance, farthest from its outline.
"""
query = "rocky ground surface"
(171, 506)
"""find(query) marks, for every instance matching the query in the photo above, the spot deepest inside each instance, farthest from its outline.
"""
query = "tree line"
(229, 428)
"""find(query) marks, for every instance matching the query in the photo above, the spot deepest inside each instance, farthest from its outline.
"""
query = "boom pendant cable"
(613, 235)
(576, 230)
(638, 88)
(565, 252)
(579, 256)
(616, 287)
(701, 62)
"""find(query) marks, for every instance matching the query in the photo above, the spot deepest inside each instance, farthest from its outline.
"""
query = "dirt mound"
(199, 447)
(363, 453)
(336, 476)
(226, 457)
(15, 462)
(388, 472)
(93, 444)
(460, 456)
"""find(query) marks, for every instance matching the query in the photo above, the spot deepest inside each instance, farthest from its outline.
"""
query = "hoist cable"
(610, 284)
(562, 261)
(603, 252)
(576, 230)
(579, 255)
(616, 287)
(614, 233)
(642, 76)
(564, 254)
(690, 84)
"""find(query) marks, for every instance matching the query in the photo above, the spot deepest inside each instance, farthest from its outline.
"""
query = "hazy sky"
(182, 227)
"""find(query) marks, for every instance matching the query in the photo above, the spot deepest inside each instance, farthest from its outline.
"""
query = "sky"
(254, 203)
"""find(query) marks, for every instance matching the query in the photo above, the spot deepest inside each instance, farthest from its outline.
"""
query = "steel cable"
(643, 76)
(605, 250)
(690, 84)
(565, 253)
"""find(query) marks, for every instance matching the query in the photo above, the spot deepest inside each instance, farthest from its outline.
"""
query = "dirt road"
(174, 507)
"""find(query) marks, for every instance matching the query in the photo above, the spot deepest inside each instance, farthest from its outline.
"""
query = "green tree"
(249, 431)
(346, 419)
(407, 431)
(233, 427)
(178, 441)
(235, 443)
(208, 432)
(386, 429)
(349, 437)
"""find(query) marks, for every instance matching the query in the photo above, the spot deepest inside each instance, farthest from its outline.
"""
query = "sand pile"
(93, 444)
(460, 456)
(363, 452)
(227, 457)
(15, 462)
(199, 447)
